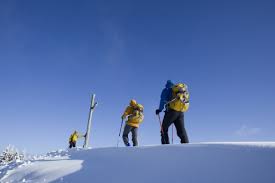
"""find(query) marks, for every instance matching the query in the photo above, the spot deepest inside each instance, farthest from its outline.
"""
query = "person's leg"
(169, 118)
(134, 136)
(71, 145)
(181, 132)
(74, 144)
(126, 131)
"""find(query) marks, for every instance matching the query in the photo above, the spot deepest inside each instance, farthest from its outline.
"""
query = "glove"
(158, 111)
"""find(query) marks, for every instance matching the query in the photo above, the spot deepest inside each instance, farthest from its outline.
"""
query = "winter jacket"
(166, 95)
(134, 114)
(74, 137)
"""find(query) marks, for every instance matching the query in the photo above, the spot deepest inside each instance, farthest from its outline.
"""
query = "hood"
(169, 84)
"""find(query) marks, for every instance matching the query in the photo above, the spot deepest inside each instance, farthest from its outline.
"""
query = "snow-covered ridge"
(199, 163)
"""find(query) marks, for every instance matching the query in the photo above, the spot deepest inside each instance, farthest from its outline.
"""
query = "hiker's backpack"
(180, 98)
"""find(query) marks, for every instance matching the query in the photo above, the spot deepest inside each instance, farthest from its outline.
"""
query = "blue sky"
(54, 54)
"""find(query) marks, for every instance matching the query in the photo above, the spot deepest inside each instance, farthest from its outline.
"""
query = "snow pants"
(170, 117)
(72, 144)
(127, 130)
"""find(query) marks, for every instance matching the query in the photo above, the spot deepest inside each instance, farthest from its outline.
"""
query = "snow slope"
(191, 163)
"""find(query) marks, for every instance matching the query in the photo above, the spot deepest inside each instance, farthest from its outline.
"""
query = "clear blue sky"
(54, 54)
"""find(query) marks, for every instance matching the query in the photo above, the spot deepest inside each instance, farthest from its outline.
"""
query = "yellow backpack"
(180, 98)
(137, 116)
(139, 108)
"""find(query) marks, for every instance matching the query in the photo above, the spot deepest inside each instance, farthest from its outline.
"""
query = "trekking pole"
(172, 134)
(161, 129)
(119, 132)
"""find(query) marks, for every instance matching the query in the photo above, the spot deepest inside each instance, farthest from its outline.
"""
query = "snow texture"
(10, 154)
(191, 163)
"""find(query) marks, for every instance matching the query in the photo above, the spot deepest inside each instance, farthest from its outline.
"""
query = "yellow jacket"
(135, 115)
(74, 137)
(180, 101)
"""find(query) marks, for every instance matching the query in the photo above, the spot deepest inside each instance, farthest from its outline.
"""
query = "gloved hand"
(158, 111)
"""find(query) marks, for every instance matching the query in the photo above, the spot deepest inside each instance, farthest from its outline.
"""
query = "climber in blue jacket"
(166, 96)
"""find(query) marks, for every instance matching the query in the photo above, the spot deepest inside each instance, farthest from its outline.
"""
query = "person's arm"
(70, 139)
(81, 136)
(163, 99)
(126, 112)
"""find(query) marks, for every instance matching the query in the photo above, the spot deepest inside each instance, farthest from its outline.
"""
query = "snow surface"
(191, 163)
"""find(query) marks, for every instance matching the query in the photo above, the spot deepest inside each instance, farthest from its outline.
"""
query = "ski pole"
(172, 134)
(119, 132)
(161, 129)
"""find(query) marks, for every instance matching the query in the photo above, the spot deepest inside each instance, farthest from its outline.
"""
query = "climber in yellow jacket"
(73, 138)
(134, 115)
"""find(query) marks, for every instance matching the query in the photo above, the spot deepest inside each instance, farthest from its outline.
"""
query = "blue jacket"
(166, 95)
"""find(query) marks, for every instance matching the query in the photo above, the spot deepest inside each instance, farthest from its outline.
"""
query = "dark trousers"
(127, 130)
(170, 117)
(72, 144)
